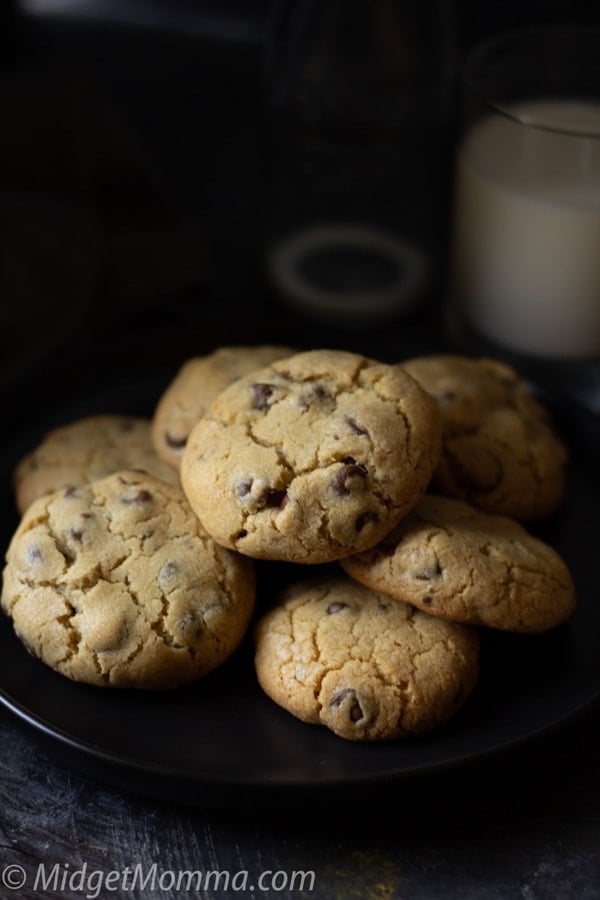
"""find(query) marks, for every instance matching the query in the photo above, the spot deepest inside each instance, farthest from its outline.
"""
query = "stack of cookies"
(405, 490)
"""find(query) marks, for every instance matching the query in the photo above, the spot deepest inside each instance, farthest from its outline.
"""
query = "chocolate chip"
(141, 497)
(189, 625)
(365, 519)
(318, 392)
(77, 535)
(87, 515)
(336, 607)
(261, 394)
(243, 488)
(432, 571)
(356, 428)
(428, 601)
(339, 697)
(71, 491)
(273, 498)
(34, 553)
(277, 498)
(447, 396)
(170, 569)
(355, 710)
(349, 470)
(175, 442)
(260, 495)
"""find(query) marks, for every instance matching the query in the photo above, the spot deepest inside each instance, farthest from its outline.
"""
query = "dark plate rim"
(170, 774)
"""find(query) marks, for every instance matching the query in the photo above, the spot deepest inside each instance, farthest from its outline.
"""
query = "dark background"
(133, 164)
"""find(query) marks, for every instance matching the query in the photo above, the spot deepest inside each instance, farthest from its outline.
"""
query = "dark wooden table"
(523, 825)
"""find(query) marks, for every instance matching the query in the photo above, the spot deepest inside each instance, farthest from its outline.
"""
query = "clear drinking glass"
(525, 252)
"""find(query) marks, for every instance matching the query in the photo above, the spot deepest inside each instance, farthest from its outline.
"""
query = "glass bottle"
(360, 100)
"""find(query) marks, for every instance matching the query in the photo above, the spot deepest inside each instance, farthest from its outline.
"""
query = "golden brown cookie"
(370, 668)
(312, 458)
(116, 583)
(85, 450)
(459, 563)
(499, 450)
(193, 389)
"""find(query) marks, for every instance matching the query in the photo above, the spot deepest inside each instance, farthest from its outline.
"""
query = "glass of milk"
(525, 252)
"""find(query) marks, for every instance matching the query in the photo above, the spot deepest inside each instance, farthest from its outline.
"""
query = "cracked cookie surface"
(312, 458)
(194, 387)
(499, 450)
(116, 583)
(459, 563)
(85, 450)
(335, 653)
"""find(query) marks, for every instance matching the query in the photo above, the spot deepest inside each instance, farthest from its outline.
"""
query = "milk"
(526, 256)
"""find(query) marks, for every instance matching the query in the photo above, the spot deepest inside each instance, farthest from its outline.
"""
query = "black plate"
(222, 741)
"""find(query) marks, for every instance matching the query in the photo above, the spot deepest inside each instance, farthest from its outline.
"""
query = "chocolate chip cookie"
(500, 451)
(115, 583)
(85, 450)
(191, 392)
(312, 458)
(454, 561)
(334, 653)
